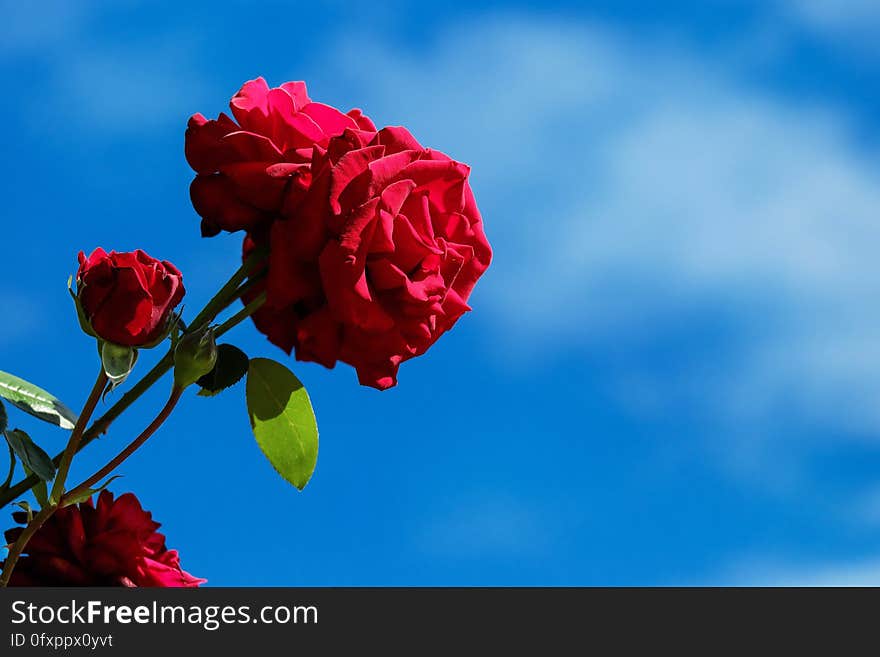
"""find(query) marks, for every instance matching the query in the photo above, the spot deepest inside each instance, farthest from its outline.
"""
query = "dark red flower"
(112, 544)
(251, 172)
(377, 259)
(128, 298)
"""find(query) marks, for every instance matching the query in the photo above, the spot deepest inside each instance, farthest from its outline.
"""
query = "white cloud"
(130, 87)
(627, 185)
(118, 84)
(837, 18)
(771, 573)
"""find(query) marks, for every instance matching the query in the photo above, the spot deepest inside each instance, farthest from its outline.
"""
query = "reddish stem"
(132, 447)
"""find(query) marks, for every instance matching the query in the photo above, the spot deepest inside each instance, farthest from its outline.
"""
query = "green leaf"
(86, 494)
(35, 401)
(282, 420)
(24, 506)
(11, 472)
(232, 365)
(80, 313)
(30, 454)
(40, 490)
(3, 418)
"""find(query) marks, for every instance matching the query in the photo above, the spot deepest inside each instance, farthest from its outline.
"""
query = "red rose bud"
(378, 258)
(254, 171)
(128, 298)
(194, 357)
(113, 543)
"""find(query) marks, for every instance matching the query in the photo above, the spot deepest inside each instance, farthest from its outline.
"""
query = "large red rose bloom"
(377, 259)
(251, 172)
(375, 242)
(113, 543)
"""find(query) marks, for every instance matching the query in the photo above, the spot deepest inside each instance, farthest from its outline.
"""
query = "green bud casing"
(194, 357)
(118, 361)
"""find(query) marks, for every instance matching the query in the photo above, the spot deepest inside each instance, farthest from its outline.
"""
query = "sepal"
(118, 362)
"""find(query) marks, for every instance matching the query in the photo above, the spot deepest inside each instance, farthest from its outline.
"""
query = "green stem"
(76, 436)
(248, 285)
(241, 315)
(19, 545)
(11, 474)
(229, 292)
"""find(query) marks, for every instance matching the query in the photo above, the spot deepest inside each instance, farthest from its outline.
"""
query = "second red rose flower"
(111, 543)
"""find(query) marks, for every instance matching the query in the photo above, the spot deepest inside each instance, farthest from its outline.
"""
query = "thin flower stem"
(249, 285)
(11, 474)
(76, 436)
(241, 315)
(228, 294)
(19, 545)
(58, 487)
(132, 447)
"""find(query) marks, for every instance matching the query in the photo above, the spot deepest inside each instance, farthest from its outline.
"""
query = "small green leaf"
(40, 490)
(11, 472)
(80, 313)
(24, 506)
(232, 365)
(282, 420)
(3, 418)
(35, 401)
(86, 494)
(41, 493)
(30, 454)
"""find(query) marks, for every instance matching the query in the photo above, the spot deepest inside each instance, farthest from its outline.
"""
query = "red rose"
(250, 173)
(128, 298)
(378, 258)
(112, 544)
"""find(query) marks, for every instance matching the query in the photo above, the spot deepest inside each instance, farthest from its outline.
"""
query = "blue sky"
(671, 375)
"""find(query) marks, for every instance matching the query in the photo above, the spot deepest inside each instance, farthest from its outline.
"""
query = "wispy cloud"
(120, 84)
(864, 572)
(130, 87)
(629, 185)
(838, 19)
